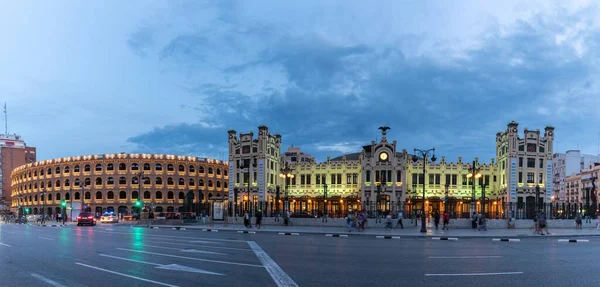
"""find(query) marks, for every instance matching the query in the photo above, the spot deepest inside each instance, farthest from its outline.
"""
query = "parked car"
(86, 218)
(109, 217)
(301, 214)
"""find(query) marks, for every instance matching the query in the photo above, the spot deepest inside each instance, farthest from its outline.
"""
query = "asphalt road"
(113, 255)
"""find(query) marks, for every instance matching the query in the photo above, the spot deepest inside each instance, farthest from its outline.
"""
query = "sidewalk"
(411, 231)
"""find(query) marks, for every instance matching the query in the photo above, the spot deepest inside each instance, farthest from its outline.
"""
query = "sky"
(171, 77)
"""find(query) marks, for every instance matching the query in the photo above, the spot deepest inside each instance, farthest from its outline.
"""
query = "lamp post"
(414, 190)
(424, 154)
(446, 197)
(140, 181)
(324, 202)
(483, 203)
(473, 174)
(249, 166)
(286, 174)
(537, 199)
(71, 201)
(43, 194)
(19, 211)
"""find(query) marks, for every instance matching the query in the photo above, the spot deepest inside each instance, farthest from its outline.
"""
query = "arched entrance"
(170, 209)
(99, 210)
(122, 209)
(110, 209)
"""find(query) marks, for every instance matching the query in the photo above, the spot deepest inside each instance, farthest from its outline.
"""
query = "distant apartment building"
(565, 164)
(294, 155)
(14, 152)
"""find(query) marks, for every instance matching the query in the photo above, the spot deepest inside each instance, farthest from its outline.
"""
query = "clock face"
(383, 156)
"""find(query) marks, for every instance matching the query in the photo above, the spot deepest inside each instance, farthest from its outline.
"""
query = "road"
(113, 255)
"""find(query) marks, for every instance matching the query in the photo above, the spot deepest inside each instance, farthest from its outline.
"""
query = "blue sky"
(87, 77)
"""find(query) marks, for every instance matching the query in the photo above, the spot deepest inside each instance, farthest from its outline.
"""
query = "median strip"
(246, 231)
(572, 240)
(507, 239)
(336, 235)
(210, 230)
(178, 228)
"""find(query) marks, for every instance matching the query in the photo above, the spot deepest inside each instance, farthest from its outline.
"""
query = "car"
(301, 214)
(86, 218)
(109, 217)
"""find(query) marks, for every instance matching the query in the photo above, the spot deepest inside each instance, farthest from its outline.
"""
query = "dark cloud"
(341, 93)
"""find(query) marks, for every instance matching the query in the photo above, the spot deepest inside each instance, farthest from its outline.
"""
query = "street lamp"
(43, 194)
(138, 203)
(473, 174)
(286, 174)
(248, 166)
(324, 202)
(446, 197)
(424, 154)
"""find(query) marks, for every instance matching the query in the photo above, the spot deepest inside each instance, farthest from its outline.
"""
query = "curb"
(210, 230)
(572, 240)
(178, 228)
(336, 235)
(387, 237)
(246, 231)
(288, 233)
(445, 238)
(506, 239)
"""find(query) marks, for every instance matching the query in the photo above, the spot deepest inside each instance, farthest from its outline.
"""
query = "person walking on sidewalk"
(446, 220)
(578, 222)
(474, 220)
(481, 224)
(388, 222)
(400, 216)
(542, 223)
(259, 219)
(246, 219)
(436, 220)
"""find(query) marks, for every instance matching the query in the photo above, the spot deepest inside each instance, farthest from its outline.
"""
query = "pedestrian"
(286, 218)
(578, 222)
(481, 222)
(436, 220)
(474, 220)
(349, 222)
(246, 219)
(542, 223)
(400, 216)
(446, 220)
(259, 219)
(536, 224)
(388, 222)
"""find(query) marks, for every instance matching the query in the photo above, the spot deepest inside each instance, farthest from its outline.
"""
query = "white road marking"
(194, 245)
(279, 276)
(573, 240)
(126, 275)
(201, 251)
(46, 280)
(476, 274)
(4, 244)
(174, 267)
(175, 238)
(45, 238)
(206, 242)
(463, 257)
(507, 240)
(190, 258)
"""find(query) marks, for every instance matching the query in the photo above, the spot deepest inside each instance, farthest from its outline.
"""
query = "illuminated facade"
(110, 182)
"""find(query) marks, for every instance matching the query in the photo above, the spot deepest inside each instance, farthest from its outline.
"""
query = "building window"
(88, 195)
(531, 162)
(134, 180)
(170, 195)
(191, 182)
(134, 166)
(530, 177)
(122, 180)
(431, 178)
(520, 162)
(135, 195)
(367, 176)
(521, 147)
(57, 171)
(158, 166)
(348, 178)
(308, 181)
(191, 168)
(98, 195)
(541, 163)
(98, 181)
(87, 182)
(158, 180)
(333, 179)
(146, 194)
(66, 170)
(355, 178)
(464, 179)
(487, 180)
(541, 179)
(201, 182)
(122, 166)
(146, 166)
(398, 176)
(210, 170)
(98, 167)
(318, 179)
(201, 168)
(87, 167)
(437, 178)
(447, 179)
(110, 167)
(158, 195)
(181, 168)
(110, 180)
(110, 195)
(454, 176)
(170, 167)
(170, 181)
(520, 177)
(210, 183)
(181, 181)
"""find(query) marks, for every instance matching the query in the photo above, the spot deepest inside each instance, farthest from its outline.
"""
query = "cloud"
(324, 96)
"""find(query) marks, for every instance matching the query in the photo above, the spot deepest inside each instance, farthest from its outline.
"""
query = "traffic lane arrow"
(173, 267)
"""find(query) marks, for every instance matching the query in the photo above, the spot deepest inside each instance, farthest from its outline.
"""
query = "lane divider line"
(46, 280)
(125, 275)
(4, 244)
(445, 238)
(507, 239)
(191, 258)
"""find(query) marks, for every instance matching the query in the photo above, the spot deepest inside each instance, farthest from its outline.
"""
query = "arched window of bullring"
(57, 183)
(35, 197)
(192, 182)
(169, 167)
(58, 196)
(110, 180)
(98, 181)
(122, 166)
(110, 166)
(181, 181)
(35, 172)
(191, 168)
(49, 184)
(134, 195)
(67, 196)
(146, 180)
(57, 170)
(49, 171)
(67, 182)
(158, 180)
(146, 166)
(87, 182)
(170, 181)
(224, 184)
(110, 195)
(87, 167)
(77, 196)
(218, 171)
(122, 195)
(134, 166)
(181, 167)
(134, 180)
(87, 195)
(76, 168)
(50, 196)
(122, 180)
(210, 183)
(170, 195)
(67, 169)
(42, 171)
(158, 195)
(35, 185)
(146, 194)
(210, 170)
(98, 195)
(200, 182)
(158, 166)
(99, 167)
(218, 184)
(201, 169)
(181, 195)
(77, 182)
(30, 186)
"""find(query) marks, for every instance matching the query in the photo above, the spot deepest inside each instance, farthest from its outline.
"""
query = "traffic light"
(63, 204)
(26, 210)
(138, 203)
